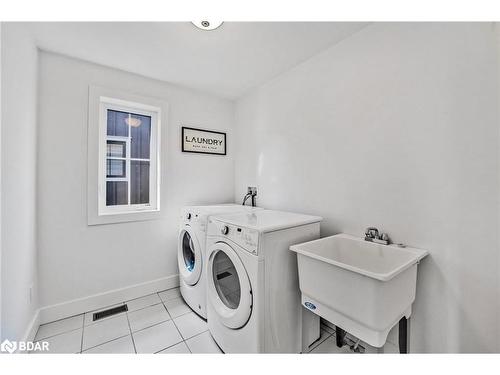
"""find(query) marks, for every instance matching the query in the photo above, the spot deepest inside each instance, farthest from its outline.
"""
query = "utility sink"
(362, 287)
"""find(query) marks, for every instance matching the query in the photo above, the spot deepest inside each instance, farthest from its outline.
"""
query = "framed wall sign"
(202, 141)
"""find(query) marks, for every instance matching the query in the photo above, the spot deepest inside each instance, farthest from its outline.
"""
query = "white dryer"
(191, 251)
(253, 297)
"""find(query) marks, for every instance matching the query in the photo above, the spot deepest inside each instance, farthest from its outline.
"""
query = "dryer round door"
(189, 256)
(229, 288)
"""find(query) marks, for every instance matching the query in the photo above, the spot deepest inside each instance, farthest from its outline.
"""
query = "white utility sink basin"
(363, 287)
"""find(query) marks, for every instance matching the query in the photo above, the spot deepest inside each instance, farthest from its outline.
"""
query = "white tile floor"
(156, 323)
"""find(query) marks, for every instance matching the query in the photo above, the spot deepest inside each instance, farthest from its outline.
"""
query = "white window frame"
(100, 97)
(114, 104)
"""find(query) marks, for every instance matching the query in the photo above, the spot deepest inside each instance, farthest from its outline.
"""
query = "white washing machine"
(191, 251)
(253, 297)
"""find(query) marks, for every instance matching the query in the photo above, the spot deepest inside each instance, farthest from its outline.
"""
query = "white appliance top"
(198, 215)
(219, 208)
(267, 220)
(211, 207)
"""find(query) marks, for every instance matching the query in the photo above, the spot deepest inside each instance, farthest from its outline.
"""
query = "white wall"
(18, 190)
(77, 260)
(0, 182)
(497, 29)
(394, 127)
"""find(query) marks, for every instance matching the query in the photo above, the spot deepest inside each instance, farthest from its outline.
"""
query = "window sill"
(124, 217)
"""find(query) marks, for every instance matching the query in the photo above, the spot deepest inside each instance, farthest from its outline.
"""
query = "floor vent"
(113, 311)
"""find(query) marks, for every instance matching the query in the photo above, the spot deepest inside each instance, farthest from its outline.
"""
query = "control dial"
(224, 230)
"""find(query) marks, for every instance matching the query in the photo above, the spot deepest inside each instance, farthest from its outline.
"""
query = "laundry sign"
(203, 141)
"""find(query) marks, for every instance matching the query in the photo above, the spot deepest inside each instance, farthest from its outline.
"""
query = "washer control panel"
(246, 238)
(194, 218)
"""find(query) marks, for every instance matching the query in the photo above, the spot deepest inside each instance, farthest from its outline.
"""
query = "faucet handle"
(371, 232)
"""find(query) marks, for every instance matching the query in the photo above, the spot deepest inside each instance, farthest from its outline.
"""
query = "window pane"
(116, 149)
(115, 168)
(117, 124)
(116, 193)
(139, 182)
(140, 132)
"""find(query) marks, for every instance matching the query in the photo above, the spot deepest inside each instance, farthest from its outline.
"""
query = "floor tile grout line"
(115, 315)
(129, 325)
(187, 346)
(152, 325)
(155, 324)
(131, 335)
(175, 325)
(163, 291)
(165, 307)
(145, 307)
(58, 320)
(108, 306)
(198, 334)
(172, 320)
(147, 295)
(190, 311)
(57, 334)
(83, 332)
(105, 342)
(196, 315)
(177, 343)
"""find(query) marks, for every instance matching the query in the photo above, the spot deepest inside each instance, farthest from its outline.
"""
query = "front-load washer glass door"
(189, 256)
(229, 288)
(188, 251)
(226, 280)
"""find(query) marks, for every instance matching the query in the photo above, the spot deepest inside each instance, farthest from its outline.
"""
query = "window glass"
(140, 134)
(130, 157)
(116, 123)
(116, 193)
(139, 182)
(115, 168)
(226, 280)
(116, 149)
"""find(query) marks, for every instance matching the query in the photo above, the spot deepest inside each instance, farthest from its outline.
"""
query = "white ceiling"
(227, 61)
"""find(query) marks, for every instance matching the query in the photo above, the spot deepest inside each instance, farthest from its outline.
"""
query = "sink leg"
(403, 335)
(340, 336)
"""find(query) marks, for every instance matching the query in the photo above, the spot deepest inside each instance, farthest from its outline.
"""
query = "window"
(128, 176)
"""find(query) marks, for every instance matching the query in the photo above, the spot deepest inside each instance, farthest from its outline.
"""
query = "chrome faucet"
(372, 234)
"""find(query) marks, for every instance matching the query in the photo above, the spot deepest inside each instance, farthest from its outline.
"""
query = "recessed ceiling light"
(207, 25)
(133, 121)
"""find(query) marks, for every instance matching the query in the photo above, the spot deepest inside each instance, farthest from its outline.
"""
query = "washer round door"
(229, 288)
(189, 256)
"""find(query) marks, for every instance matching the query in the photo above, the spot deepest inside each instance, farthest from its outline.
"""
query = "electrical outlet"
(252, 190)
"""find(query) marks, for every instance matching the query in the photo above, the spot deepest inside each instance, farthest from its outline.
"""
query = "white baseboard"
(32, 328)
(77, 306)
